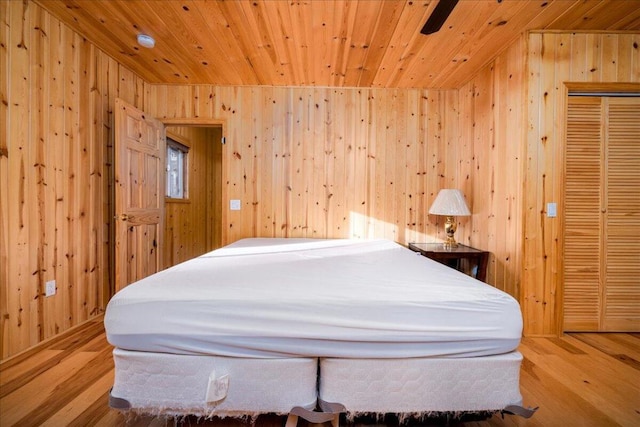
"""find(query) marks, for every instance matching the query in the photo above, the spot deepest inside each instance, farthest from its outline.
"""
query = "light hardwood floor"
(576, 380)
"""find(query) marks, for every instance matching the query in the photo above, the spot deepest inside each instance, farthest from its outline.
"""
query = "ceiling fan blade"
(438, 16)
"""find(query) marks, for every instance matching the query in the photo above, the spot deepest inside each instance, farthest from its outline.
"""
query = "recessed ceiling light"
(146, 41)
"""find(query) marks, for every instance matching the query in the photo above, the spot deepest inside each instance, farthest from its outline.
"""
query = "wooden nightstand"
(452, 257)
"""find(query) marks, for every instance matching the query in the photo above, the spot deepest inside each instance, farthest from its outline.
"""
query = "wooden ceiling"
(351, 43)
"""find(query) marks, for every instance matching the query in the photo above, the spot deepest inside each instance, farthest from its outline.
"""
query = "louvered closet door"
(621, 304)
(583, 218)
(602, 222)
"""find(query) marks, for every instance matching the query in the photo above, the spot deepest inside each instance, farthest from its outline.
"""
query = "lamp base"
(450, 229)
(449, 244)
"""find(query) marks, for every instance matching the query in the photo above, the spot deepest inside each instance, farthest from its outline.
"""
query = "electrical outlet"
(234, 205)
(50, 288)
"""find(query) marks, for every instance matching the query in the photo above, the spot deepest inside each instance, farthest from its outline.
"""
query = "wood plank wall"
(491, 106)
(514, 111)
(192, 226)
(555, 59)
(329, 162)
(57, 94)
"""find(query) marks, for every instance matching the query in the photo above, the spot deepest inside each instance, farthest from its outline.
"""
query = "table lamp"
(450, 203)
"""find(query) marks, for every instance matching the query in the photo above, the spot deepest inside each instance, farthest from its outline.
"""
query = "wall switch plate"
(552, 210)
(234, 205)
(50, 288)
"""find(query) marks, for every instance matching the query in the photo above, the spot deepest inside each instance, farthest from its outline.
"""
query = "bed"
(302, 326)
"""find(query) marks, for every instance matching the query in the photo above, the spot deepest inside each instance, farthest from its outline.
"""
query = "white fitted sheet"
(272, 298)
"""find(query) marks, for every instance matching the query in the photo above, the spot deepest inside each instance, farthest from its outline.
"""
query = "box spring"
(172, 384)
(422, 385)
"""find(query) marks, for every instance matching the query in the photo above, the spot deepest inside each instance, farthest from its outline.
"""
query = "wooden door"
(139, 194)
(602, 221)
(621, 251)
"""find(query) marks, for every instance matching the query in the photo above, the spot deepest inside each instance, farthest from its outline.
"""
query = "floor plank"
(87, 407)
(576, 380)
(621, 346)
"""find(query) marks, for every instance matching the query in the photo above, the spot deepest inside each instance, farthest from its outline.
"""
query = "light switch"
(552, 210)
(50, 288)
(234, 205)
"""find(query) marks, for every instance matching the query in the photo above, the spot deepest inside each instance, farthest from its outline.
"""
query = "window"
(177, 155)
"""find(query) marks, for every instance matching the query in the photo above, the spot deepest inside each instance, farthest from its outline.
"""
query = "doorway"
(193, 221)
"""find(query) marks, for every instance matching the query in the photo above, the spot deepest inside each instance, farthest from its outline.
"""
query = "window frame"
(172, 143)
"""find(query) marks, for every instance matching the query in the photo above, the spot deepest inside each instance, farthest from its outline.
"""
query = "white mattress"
(274, 298)
(422, 385)
(170, 384)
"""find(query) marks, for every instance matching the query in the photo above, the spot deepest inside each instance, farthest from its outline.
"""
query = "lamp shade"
(450, 202)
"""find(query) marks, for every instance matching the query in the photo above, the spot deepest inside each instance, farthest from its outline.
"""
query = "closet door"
(621, 297)
(583, 234)
(602, 220)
